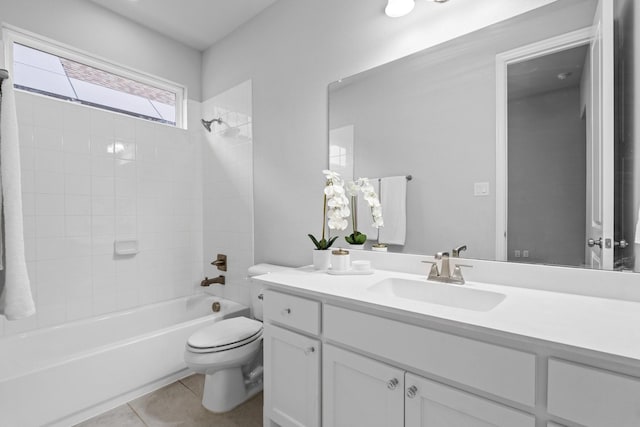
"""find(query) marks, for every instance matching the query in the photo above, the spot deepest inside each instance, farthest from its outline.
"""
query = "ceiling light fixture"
(398, 8)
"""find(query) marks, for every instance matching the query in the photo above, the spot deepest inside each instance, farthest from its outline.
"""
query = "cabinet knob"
(260, 296)
(286, 311)
(392, 384)
(309, 350)
(412, 391)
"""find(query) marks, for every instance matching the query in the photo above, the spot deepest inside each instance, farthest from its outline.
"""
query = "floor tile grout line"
(189, 388)
(137, 414)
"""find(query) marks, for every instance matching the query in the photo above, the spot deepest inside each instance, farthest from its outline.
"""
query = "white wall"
(291, 52)
(227, 162)
(89, 27)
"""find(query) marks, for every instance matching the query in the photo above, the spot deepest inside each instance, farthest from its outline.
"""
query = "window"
(47, 69)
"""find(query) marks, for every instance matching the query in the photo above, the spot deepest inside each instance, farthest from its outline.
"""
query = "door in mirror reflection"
(560, 149)
(547, 158)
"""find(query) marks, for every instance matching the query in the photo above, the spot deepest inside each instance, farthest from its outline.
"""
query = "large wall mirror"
(515, 137)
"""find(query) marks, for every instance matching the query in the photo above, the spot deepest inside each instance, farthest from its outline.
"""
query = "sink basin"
(456, 296)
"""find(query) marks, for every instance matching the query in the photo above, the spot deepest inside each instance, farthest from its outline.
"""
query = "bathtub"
(62, 375)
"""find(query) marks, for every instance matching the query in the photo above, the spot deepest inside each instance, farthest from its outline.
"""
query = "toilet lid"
(228, 333)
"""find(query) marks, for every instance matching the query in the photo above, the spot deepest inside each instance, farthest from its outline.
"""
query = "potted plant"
(362, 185)
(335, 210)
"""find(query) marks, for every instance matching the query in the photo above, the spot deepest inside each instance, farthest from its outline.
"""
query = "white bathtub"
(62, 375)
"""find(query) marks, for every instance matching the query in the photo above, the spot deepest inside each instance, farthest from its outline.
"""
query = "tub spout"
(219, 280)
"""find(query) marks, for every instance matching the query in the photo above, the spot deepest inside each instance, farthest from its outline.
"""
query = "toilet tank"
(257, 287)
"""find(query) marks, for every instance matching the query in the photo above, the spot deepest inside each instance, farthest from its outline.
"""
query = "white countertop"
(602, 325)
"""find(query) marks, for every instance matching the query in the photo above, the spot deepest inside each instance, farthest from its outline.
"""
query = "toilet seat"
(225, 335)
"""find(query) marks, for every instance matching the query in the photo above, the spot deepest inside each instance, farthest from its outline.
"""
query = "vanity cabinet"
(291, 362)
(382, 368)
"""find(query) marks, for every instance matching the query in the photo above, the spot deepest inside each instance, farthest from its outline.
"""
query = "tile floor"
(178, 404)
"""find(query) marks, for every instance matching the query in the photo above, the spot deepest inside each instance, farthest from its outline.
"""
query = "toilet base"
(226, 389)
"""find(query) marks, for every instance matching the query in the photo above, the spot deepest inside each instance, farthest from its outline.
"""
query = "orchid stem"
(324, 215)
(354, 214)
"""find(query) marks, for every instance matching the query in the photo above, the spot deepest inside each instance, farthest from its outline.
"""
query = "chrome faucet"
(445, 271)
(445, 275)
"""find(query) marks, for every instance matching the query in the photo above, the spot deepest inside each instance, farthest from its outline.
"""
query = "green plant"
(355, 238)
(322, 244)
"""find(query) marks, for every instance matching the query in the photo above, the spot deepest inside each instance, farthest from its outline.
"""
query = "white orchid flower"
(352, 189)
(337, 201)
(369, 195)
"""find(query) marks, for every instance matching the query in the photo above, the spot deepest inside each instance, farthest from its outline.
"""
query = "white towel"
(393, 198)
(16, 301)
(365, 220)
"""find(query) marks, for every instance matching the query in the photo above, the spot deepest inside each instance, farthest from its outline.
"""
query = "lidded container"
(340, 260)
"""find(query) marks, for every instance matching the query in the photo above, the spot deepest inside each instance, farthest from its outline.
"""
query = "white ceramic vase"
(321, 259)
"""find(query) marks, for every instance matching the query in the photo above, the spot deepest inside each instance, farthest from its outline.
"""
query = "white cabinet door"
(431, 404)
(291, 378)
(358, 391)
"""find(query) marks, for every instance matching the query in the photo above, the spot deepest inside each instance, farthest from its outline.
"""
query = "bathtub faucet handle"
(220, 262)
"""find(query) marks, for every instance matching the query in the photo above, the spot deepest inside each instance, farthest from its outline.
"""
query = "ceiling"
(540, 75)
(195, 23)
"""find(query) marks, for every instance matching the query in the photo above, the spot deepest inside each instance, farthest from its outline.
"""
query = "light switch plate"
(481, 189)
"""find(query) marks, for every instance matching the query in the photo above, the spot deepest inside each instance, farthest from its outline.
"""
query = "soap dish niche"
(126, 247)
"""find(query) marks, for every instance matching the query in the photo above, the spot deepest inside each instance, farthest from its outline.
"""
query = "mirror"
(502, 166)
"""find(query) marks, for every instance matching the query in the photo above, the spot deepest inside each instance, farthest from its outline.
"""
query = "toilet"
(229, 353)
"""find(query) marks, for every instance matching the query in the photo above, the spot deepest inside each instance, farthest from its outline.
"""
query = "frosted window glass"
(100, 95)
(51, 75)
(42, 81)
(168, 112)
(37, 58)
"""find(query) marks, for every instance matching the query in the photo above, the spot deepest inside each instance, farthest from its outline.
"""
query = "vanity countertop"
(606, 326)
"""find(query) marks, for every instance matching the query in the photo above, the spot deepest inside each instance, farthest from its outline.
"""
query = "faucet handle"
(433, 272)
(457, 273)
(456, 251)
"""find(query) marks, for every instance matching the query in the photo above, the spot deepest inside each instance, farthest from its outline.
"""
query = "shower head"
(230, 132)
(207, 123)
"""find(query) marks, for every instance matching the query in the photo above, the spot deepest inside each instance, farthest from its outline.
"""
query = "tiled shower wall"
(228, 190)
(91, 177)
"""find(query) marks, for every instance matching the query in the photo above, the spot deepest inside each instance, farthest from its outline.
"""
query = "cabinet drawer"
(498, 370)
(295, 312)
(592, 396)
